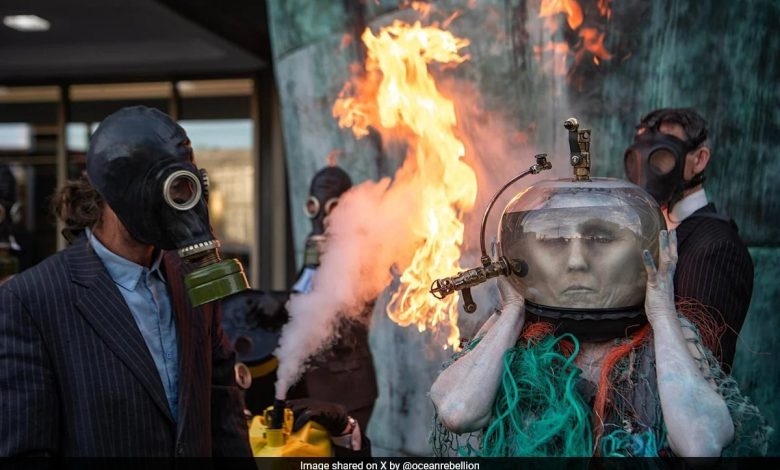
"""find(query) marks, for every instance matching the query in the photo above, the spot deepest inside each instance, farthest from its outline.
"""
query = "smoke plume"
(368, 233)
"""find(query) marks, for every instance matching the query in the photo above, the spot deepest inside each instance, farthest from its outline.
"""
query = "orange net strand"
(604, 386)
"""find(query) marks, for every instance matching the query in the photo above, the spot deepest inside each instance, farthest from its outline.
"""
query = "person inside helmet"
(587, 354)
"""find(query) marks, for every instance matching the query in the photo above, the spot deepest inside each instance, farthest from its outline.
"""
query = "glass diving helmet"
(572, 247)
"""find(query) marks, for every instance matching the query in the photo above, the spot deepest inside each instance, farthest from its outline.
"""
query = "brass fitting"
(579, 146)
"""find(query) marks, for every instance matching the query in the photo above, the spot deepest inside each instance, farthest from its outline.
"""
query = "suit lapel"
(103, 306)
(186, 331)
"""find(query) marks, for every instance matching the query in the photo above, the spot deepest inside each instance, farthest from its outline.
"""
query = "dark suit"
(76, 377)
(344, 374)
(714, 268)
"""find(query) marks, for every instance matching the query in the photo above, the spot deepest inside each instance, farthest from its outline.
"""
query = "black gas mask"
(9, 215)
(141, 163)
(327, 186)
(656, 162)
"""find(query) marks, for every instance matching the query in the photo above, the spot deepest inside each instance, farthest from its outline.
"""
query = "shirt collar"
(123, 271)
(685, 207)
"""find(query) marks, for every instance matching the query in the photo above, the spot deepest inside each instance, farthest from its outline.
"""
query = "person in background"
(668, 157)
(340, 386)
(254, 319)
(345, 373)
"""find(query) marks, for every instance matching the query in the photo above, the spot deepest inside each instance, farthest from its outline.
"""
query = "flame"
(604, 8)
(591, 44)
(593, 41)
(398, 96)
(570, 8)
(424, 9)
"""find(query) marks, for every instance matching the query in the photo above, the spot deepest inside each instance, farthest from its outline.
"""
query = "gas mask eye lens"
(662, 161)
(330, 205)
(182, 190)
(312, 207)
(633, 163)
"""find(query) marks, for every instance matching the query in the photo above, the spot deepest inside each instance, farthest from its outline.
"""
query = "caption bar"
(389, 465)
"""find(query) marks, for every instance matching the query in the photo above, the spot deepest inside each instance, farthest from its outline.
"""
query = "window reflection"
(224, 149)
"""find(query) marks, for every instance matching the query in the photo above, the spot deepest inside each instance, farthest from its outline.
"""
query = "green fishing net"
(537, 411)
(540, 411)
(751, 430)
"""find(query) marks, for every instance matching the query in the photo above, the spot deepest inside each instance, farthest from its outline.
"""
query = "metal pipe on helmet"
(465, 280)
(141, 162)
(579, 146)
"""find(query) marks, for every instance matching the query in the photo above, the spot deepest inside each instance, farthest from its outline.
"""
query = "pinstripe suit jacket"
(714, 267)
(76, 378)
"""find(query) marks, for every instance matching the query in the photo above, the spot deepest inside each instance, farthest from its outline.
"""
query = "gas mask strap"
(697, 179)
(677, 196)
(682, 186)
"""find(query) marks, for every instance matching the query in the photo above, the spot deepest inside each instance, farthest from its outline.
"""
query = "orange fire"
(593, 42)
(398, 96)
(423, 8)
(592, 39)
(570, 8)
(604, 8)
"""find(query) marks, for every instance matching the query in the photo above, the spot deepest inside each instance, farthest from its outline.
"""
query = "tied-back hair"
(78, 206)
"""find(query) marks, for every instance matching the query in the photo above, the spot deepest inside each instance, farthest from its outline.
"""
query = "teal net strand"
(538, 411)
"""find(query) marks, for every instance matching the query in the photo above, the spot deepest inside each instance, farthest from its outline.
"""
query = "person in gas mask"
(587, 354)
(340, 387)
(668, 158)
(345, 373)
(9, 211)
(325, 189)
(103, 351)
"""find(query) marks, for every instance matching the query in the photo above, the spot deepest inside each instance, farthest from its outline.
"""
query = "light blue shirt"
(145, 291)
(305, 283)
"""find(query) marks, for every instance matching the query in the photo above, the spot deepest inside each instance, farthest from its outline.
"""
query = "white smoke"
(369, 232)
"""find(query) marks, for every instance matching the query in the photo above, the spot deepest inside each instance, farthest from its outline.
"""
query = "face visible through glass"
(579, 261)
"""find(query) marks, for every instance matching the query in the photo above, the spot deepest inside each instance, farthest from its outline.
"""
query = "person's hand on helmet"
(659, 297)
(508, 293)
(332, 416)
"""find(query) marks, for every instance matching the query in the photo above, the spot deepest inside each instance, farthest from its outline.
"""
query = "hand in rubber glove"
(659, 298)
(332, 416)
